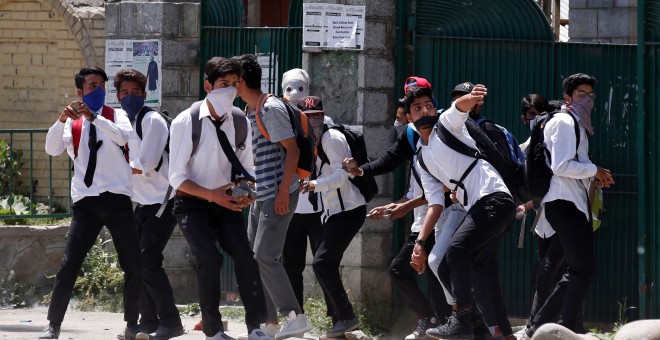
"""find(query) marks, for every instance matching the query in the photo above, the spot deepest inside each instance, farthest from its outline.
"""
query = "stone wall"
(357, 88)
(604, 21)
(42, 44)
(177, 26)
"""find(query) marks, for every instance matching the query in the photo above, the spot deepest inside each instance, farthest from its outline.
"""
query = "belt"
(180, 193)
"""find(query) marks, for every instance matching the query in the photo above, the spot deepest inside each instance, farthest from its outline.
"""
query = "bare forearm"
(432, 216)
(194, 189)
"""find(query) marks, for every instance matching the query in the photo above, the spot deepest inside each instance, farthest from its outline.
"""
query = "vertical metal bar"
(50, 184)
(11, 165)
(31, 175)
(643, 203)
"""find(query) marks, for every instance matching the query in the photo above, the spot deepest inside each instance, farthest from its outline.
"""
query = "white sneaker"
(294, 324)
(219, 336)
(271, 328)
(258, 334)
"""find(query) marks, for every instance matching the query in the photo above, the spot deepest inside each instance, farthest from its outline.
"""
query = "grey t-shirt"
(269, 155)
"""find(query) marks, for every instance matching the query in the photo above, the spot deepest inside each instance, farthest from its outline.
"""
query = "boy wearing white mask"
(204, 206)
(295, 84)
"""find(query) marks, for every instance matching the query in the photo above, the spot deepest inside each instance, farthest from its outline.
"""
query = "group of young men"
(215, 160)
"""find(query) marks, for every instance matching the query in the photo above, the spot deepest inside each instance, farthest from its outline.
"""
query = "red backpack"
(76, 129)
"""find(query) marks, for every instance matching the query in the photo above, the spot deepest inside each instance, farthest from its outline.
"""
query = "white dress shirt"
(571, 177)
(150, 186)
(304, 206)
(209, 166)
(445, 164)
(415, 191)
(332, 176)
(112, 174)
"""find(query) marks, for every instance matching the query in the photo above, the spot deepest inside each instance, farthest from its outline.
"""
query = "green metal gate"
(509, 46)
(279, 49)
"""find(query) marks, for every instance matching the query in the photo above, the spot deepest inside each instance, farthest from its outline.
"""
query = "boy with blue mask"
(149, 162)
(92, 133)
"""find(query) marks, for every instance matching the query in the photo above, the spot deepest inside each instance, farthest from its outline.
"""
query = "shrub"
(11, 163)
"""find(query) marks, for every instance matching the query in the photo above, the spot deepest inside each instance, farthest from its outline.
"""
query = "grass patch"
(18, 294)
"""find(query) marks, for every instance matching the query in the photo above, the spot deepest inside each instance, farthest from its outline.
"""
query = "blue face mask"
(132, 104)
(95, 99)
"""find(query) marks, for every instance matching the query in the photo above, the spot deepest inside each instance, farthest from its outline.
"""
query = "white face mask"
(532, 123)
(296, 89)
(222, 99)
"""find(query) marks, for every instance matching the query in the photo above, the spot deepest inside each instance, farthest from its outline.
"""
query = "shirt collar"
(205, 112)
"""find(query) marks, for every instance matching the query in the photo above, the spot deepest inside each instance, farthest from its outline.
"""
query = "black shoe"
(481, 331)
(422, 326)
(135, 332)
(453, 329)
(166, 332)
(50, 332)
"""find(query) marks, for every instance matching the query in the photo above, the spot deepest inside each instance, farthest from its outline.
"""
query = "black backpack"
(494, 146)
(138, 129)
(366, 183)
(537, 172)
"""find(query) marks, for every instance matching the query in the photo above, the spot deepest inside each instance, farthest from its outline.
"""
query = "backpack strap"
(412, 137)
(76, 131)
(138, 121)
(258, 109)
(240, 127)
(196, 126)
(138, 129)
(460, 147)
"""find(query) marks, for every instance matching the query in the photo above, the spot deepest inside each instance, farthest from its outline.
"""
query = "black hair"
(218, 67)
(536, 101)
(85, 71)
(416, 93)
(130, 74)
(251, 70)
(572, 82)
(401, 102)
(555, 105)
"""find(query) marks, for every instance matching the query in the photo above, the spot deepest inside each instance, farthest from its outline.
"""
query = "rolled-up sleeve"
(181, 149)
(336, 148)
(245, 155)
(433, 189)
(58, 137)
(562, 151)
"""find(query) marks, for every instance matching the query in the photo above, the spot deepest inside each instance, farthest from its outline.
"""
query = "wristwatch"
(421, 242)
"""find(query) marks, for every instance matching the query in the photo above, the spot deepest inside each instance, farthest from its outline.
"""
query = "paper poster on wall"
(313, 24)
(341, 32)
(318, 19)
(142, 55)
(269, 79)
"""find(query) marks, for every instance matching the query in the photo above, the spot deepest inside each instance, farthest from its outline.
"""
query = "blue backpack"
(498, 147)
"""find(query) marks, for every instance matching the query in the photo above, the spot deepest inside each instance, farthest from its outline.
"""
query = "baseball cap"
(462, 88)
(415, 81)
(310, 104)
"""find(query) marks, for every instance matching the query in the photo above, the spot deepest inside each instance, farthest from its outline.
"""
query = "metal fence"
(16, 143)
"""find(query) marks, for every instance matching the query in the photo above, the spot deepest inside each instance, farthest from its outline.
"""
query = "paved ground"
(22, 324)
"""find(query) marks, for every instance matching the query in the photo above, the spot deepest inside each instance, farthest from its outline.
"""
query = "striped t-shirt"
(269, 155)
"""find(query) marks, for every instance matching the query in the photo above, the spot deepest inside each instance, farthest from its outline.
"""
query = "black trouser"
(90, 214)
(202, 224)
(551, 261)
(338, 231)
(157, 299)
(472, 257)
(404, 276)
(294, 254)
(576, 237)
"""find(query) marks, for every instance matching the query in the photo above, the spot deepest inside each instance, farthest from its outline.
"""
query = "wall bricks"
(39, 56)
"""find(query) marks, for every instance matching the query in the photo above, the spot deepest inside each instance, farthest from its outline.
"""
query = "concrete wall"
(42, 44)
(357, 88)
(177, 25)
(604, 21)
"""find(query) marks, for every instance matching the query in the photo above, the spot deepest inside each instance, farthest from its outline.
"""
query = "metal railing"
(14, 138)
